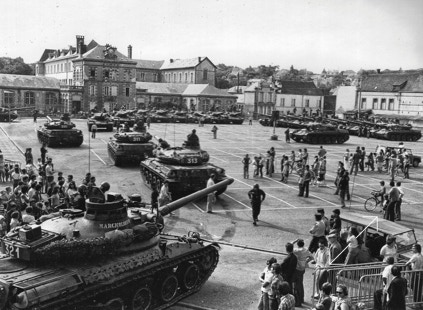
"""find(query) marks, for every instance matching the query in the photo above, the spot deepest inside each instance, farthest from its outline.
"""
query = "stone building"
(259, 98)
(91, 76)
(29, 92)
(392, 93)
(195, 97)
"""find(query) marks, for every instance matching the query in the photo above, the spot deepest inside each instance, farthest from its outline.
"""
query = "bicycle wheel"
(370, 204)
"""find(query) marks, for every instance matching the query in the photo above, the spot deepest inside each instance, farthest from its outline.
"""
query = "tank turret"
(316, 133)
(111, 254)
(59, 132)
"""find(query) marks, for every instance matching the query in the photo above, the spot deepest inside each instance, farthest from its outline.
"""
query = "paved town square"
(284, 216)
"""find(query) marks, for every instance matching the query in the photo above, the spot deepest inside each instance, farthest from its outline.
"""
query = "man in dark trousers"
(287, 138)
(394, 197)
(289, 265)
(43, 151)
(397, 291)
(256, 196)
(356, 161)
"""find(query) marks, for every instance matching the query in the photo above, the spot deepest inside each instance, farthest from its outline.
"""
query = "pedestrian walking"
(93, 130)
(343, 188)
(211, 198)
(256, 196)
(214, 131)
(246, 161)
(287, 137)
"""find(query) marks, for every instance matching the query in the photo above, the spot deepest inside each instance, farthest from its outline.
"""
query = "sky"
(313, 35)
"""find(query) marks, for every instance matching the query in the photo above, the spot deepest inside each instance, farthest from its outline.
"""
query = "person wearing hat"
(256, 196)
(389, 249)
(211, 198)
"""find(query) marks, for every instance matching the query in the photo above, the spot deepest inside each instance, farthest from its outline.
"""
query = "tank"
(320, 134)
(132, 147)
(6, 116)
(60, 132)
(396, 132)
(235, 118)
(125, 116)
(112, 256)
(186, 169)
(102, 120)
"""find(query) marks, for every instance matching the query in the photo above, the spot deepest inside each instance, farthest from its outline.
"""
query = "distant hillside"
(15, 66)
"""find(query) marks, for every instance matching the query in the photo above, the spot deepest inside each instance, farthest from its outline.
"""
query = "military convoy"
(131, 147)
(60, 132)
(112, 256)
(186, 169)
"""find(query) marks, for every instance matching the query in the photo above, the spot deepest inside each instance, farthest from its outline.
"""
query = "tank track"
(82, 300)
(44, 138)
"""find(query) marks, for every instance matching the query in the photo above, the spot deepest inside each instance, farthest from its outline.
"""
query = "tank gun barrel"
(177, 204)
(49, 118)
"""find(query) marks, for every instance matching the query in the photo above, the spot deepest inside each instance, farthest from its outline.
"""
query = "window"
(180, 77)
(50, 99)
(375, 104)
(9, 98)
(92, 90)
(174, 77)
(282, 103)
(142, 76)
(192, 77)
(107, 91)
(261, 95)
(127, 91)
(205, 74)
(114, 90)
(383, 104)
(363, 103)
(92, 72)
(391, 104)
(292, 102)
(61, 67)
(186, 77)
(29, 98)
(127, 75)
(78, 74)
(156, 77)
(307, 103)
(106, 73)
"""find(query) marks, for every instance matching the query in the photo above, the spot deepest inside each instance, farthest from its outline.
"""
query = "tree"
(15, 66)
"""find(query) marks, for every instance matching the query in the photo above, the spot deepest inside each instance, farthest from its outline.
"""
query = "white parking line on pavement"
(92, 151)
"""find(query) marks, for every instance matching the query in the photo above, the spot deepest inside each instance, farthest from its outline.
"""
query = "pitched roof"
(149, 64)
(183, 89)
(183, 63)
(45, 54)
(97, 52)
(28, 81)
(162, 88)
(206, 90)
(300, 88)
(393, 82)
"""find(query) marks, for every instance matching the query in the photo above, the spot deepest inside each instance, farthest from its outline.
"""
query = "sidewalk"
(9, 149)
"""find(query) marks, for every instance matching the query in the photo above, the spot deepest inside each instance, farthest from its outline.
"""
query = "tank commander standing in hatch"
(192, 140)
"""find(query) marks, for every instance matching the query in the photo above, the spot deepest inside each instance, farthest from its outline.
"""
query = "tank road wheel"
(333, 140)
(208, 260)
(189, 276)
(168, 288)
(142, 299)
(415, 163)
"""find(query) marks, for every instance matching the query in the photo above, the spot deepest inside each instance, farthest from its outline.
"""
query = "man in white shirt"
(211, 198)
(380, 295)
(399, 202)
(416, 263)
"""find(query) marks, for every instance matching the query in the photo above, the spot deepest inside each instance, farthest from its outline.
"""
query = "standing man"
(355, 161)
(214, 131)
(289, 264)
(246, 161)
(416, 263)
(322, 152)
(393, 166)
(43, 151)
(399, 202)
(307, 179)
(211, 198)
(256, 196)
(343, 187)
(287, 138)
(394, 196)
(317, 232)
(397, 291)
(250, 121)
(164, 196)
(35, 115)
(93, 130)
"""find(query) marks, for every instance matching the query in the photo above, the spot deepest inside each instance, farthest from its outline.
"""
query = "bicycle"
(297, 166)
(373, 202)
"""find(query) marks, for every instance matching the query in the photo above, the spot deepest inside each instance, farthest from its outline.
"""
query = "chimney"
(378, 71)
(79, 44)
(171, 60)
(130, 51)
(199, 59)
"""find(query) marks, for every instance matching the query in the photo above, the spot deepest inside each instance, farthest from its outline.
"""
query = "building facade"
(29, 92)
(392, 93)
(298, 96)
(259, 98)
(91, 76)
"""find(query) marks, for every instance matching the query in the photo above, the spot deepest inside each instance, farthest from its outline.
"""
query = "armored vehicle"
(397, 132)
(102, 120)
(112, 256)
(160, 116)
(6, 115)
(235, 118)
(320, 134)
(131, 147)
(185, 168)
(126, 116)
(60, 132)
